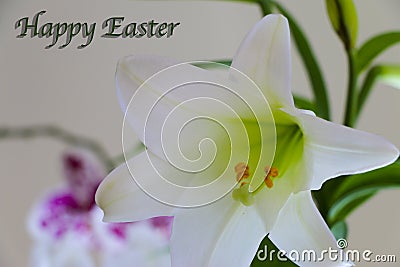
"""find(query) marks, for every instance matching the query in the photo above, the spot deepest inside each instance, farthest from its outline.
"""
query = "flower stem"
(366, 87)
(265, 6)
(59, 134)
(351, 105)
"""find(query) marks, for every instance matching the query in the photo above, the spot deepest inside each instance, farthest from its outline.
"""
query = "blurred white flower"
(67, 229)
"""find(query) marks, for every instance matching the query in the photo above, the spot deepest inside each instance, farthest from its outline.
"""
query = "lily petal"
(147, 111)
(301, 228)
(165, 106)
(270, 201)
(264, 56)
(335, 150)
(225, 233)
(122, 200)
(133, 71)
(138, 194)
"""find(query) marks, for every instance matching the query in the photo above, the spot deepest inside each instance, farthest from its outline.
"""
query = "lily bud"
(344, 20)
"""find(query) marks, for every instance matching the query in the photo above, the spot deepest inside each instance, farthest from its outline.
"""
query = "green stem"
(366, 87)
(351, 104)
(59, 134)
(265, 6)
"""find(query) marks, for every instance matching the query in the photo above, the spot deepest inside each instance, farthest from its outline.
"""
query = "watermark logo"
(338, 254)
(342, 243)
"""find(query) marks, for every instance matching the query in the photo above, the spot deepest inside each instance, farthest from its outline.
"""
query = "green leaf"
(356, 189)
(267, 255)
(314, 72)
(339, 230)
(342, 208)
(387, 74)
(373, 47)
(304, 103)
(333, 13)
(344, 20)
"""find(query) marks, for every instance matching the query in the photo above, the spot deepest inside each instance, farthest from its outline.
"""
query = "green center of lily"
(288, 152)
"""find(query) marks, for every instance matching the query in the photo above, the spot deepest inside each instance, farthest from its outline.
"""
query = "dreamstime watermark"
(338, 254)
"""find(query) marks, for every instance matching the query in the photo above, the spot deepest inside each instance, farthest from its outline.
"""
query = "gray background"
(75, 89)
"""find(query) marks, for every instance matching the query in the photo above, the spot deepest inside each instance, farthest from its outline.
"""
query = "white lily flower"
(309, 151)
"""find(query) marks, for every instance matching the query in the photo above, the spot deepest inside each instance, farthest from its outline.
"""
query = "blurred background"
(74, 88)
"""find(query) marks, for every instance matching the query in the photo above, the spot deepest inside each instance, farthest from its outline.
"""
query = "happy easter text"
(62, 33)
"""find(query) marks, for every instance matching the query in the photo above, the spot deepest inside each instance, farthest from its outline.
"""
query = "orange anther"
(242, 171)
(239, 177)
(243, 183)
(240, 167)
(273, 172)
(268, 182)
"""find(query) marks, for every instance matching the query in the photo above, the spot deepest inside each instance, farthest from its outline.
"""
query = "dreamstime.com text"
(340, 254)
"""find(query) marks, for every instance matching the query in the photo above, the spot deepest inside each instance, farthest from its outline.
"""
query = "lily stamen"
(242, 193)
(268, 182)
(271, 173)
(242, 172)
